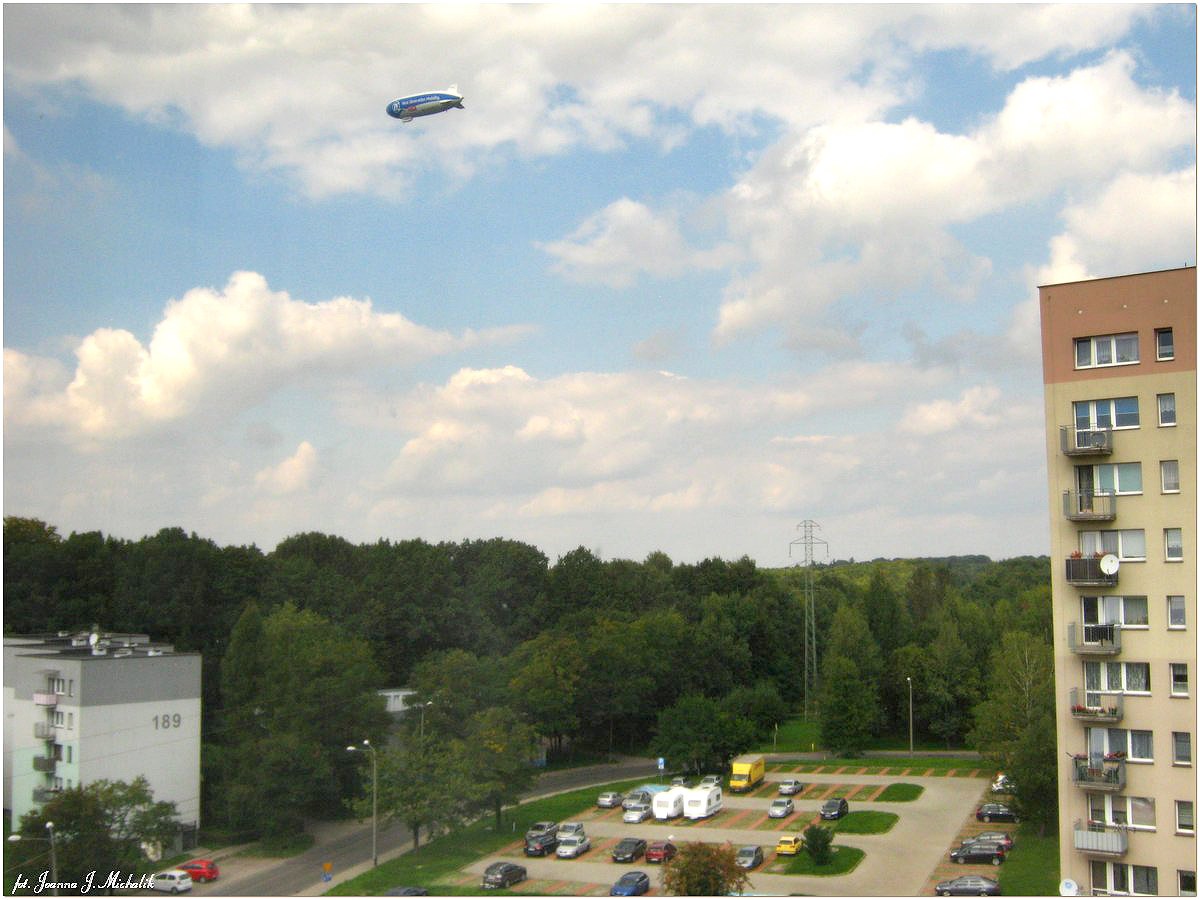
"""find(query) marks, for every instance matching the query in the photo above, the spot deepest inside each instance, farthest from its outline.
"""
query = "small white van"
(702, 802)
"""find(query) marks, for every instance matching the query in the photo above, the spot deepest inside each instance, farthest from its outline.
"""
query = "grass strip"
(900, 793)
(1031, 869)
(866, 822)
(845, 859)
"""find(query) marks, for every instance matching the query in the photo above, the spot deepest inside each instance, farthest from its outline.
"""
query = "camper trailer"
(700, 803)
(669, 804)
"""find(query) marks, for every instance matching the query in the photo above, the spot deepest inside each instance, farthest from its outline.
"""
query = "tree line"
(504, 648)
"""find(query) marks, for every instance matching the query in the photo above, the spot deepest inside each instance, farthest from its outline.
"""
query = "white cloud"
(974, 409)
(217, 351)
(290, 475)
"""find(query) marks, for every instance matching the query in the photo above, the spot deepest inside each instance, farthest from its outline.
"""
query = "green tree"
(1015, 725)
(419, 780)
(704, 870)
(698, 733)
(545, 684)
(498, 751)
(951, 686)
(818, 841)
(849, 709)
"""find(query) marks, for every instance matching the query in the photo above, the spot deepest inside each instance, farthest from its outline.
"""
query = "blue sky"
(676, 278)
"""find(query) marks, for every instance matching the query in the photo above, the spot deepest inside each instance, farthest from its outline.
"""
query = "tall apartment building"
(88, 706)
(1119, 367)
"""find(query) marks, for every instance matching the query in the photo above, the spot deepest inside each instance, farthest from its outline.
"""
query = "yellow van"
(747, 772)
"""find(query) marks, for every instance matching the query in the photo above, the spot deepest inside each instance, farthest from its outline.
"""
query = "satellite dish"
(1109, 564)
(1068, 888)
(93, 638)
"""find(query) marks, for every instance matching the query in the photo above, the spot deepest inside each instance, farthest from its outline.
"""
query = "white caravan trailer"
(669, 803)
(700, 803)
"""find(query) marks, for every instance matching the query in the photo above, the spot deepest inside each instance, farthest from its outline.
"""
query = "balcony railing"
(44, 794)
(1094, 640)
(1100, 839)
(44, 764)
(1085, 572)
(1089, 506)
(1099, 774)
(1085, 441)
(45, 698)
(43, 731)
(1096, 707)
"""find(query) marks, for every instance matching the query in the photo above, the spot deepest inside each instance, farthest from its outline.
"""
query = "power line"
(807, 540)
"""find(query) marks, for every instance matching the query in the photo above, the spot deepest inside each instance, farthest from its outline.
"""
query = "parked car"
(631, 884)
(660, 852)
(171, 881)
(541, 845)
(1003, 838)
(749, 857)
(969, 886)
(781, 808)
(502, 875)
(610, 799)
(639, 812)
(570, 829)
(995, 812)
(201, 869)
(406, 892)
(636, 797)
(790, 786)
(789, 845)
(541, 829)
(835, 808)
(628, 849)
(710, 781)
(979, 852)
(1003, 784)
(573, 846)
(680, 781)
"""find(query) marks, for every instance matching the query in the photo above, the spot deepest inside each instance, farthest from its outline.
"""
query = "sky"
(677, 278)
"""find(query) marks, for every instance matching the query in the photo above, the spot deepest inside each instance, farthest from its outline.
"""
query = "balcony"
(1105, 709)
(1085, 572)
(1099, 839)
(1095, 774)
(44, 794)
(45, 698)
(43, 731)
(1085, 441)
(1089, 506)
(1094, 640)
(44, 764)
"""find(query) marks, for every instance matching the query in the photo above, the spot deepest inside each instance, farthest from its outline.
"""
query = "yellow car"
(789, 845)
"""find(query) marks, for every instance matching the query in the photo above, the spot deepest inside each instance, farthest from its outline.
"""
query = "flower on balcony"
(1079, 709)
(1115, 755)
(1075, 554)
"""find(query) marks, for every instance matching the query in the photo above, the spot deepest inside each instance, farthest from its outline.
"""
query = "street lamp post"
(424, 706)
(13, 838)
(910, 717)
(374, 801)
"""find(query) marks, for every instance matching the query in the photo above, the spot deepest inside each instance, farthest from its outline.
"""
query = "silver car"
(570, 829)
(790, 786)
(710, 781)
(609, 799)
(172, 881)
(781, 808)
(638, 812)
(636, 797)
(573, 846)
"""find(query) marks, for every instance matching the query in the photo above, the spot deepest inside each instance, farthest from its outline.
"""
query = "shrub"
(817, 841)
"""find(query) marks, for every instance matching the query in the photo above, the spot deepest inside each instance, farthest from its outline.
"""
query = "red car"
(660, 852)
(201, 869)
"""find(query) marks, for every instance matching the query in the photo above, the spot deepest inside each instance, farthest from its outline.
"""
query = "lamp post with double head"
(374, 799)
(13, 838)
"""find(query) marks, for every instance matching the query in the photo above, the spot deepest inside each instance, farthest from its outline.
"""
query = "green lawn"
(866, 822)
(798, 735)
(939, 764)
(900, 793)
(1031, 870)
(845, 859)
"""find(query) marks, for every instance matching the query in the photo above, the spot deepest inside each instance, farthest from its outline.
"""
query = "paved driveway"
(898, 862)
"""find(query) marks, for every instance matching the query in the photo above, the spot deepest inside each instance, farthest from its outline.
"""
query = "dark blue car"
(630, 885)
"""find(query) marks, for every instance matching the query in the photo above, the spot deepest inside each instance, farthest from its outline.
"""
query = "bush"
(817, 841)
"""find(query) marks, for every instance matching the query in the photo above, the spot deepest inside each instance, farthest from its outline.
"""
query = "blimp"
(430, 103)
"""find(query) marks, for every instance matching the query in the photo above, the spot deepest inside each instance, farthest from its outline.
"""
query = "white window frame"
(1097, 541)
(1176, 602)
(1168, 544)
(1113, 471)
(1164, 467)
(1106, 684)
(1094, 414)
(1159, 355)
(1190, 805)
(1109, 604)
(1174, 414)
(1106, 345)
(1176, 667)
(1176, 759)
(1179, 875)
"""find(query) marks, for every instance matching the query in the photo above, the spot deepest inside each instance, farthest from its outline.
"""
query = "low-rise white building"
(80, 707)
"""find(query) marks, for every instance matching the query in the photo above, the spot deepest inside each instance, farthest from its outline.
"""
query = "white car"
(790, 786)
(710, 781)
(573, 846)
(172, 881)
(781, 808)
(638, 812)
(570, 829)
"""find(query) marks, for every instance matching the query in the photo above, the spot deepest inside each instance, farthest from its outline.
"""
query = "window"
(1111, 677)
(1128, 611)
(1176, 611)
(1135, 745)
(1137, 677)
(70, 721)
(1118, 478)
(1141, 745)
(1106, 350)
(1173, 540)
(1164, 343)
(1141, 812)
(1128, 544)
(1166, 409)
(68, 752)
(1120, 412)
(1181, 748)
(1179, 680)
(1187, 883)
(1185, 816)
(1145, 879)
(1169, 468)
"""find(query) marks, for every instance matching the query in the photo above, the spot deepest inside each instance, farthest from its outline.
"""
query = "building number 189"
(168, 721)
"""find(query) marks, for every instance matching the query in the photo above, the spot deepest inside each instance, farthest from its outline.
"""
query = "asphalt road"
(348, 845)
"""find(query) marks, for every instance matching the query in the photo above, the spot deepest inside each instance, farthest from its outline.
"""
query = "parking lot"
(900, 861)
